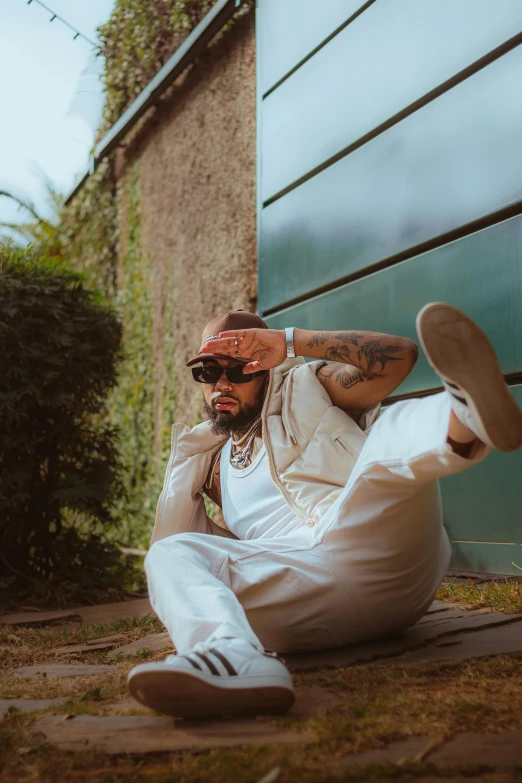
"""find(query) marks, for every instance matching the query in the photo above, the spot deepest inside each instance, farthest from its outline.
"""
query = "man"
(333, 531)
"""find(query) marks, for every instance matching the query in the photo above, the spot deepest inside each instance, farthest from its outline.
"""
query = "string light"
(77, 33)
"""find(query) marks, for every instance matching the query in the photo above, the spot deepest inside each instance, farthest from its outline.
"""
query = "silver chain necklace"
(240, 455)
(247, 433)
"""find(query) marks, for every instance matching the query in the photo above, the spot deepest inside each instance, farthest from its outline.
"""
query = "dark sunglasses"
(232, 374)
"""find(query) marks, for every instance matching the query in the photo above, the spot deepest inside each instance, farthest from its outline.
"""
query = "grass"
(29, 647)
(377, 705)
(501, 595)
(33, 640)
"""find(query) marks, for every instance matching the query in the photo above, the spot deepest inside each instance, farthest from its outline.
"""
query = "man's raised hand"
(266, 348)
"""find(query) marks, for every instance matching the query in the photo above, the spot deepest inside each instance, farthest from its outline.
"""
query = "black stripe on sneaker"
(209, 663)
(460, 399)
(453, 385)
(195, 664)
(228, 666)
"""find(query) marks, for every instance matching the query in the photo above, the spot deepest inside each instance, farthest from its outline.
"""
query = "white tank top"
(253, 507)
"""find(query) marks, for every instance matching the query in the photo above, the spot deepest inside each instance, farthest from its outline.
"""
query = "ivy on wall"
(138, 40)
(142, 404)
(88, 230)
(106, 245)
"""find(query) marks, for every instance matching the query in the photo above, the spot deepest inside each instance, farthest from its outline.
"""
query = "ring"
(238, 352)
(236, 343)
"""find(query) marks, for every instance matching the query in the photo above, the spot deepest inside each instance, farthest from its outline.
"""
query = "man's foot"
(461, 354)
(223, 677)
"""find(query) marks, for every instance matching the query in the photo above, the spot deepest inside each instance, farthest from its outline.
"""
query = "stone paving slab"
(313, 701)
(411, 639)
(491, 641)
(310, 702)
(63, 671)
(442, 615)
(408, 751)
(106, 639)
(41, 619)
(155, 642)
(29, 705)
(441, 606)
(489, 750)
(93, 615)
(492, 750)
(82, 648)
(144, 734)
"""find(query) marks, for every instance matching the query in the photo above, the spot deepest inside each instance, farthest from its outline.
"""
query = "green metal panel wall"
(383, 61)
(390, 174)
(288, 31)
(481, 273)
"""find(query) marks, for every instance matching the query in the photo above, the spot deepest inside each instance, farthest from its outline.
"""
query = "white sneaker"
(222, 677)
(463, 357)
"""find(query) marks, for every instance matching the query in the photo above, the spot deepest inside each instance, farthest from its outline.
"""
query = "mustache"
(219, 396)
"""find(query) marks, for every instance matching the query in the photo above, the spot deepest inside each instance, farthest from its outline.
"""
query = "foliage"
(145, 395)
(356, 709)
(137, 41)
(89, 229)
(86, 232)
(41, 232)
(83, 232)
(502, 594)
(59, 466)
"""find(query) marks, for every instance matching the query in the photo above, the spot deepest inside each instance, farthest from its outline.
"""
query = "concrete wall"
(197, 162)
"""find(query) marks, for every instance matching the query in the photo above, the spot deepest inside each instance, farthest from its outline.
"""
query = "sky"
(48, 110)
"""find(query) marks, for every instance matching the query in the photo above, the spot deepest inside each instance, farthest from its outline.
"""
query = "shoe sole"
(183, 695)
(462, 354)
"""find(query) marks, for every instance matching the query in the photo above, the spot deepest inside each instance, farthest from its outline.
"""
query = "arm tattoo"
(349, 337)
(320, 338)
(345, 377)
(369, 360)
(374, 353)
(338, 353)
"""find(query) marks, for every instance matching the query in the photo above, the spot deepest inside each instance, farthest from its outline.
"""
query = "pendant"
(240, 459)
(238, 463)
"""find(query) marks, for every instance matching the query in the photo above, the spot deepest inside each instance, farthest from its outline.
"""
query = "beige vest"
(311, 446)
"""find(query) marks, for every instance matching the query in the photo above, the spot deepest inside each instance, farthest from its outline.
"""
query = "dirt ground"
(373, 706)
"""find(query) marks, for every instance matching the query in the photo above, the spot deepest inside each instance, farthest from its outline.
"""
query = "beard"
(225, 423)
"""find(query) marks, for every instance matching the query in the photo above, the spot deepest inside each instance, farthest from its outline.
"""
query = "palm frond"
(24, 203)
(37, 230)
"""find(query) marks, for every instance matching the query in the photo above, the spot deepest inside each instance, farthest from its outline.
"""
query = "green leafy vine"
(142, 404)
(99, 233)
(137, 41)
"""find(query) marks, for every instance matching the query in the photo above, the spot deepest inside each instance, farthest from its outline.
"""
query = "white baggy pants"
(370, 567)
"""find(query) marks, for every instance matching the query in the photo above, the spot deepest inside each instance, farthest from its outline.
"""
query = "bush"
(59, 464)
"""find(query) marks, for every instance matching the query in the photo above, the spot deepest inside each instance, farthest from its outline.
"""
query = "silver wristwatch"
(289, 335)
